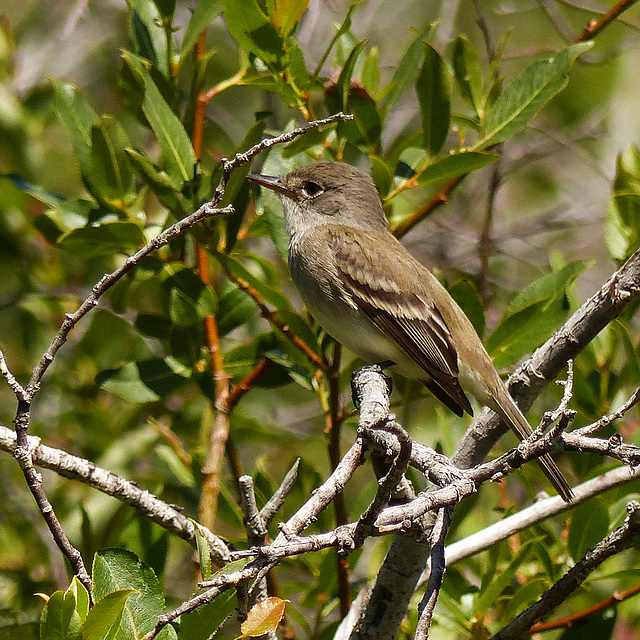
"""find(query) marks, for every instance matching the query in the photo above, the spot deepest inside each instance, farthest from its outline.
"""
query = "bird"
(371, 295)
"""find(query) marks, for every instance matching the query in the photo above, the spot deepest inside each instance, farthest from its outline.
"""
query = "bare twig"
(428, 603)
(268, 512)
(113, 484)
(595, 26)
(605, 421)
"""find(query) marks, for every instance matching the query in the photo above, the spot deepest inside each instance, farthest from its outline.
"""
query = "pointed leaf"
(589, 525)
(467, 72)
(405, 73)
(434, 95)
(533, 316)
(454, 165)
(103, 620)
(288, 14)
(263, 617)
(59, 619)
(201, 623)
(156, 179)
(175, 145)
(148, 35)
(111, 174)
(81, 596)
(78, 116)
(252, 30)
(528, 93)
(117, 569)
(204, 13)
(109, 238)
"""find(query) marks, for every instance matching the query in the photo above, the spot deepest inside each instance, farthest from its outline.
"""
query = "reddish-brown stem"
(440, 197)
(595, 26)
(311, 355)
(580, 617)
(247, 383)
(334, 429)
(218, 430)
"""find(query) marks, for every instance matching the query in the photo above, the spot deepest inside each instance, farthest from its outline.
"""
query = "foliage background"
(554, 191)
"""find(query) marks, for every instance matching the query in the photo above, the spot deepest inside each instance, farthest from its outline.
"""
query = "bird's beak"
(270, 182)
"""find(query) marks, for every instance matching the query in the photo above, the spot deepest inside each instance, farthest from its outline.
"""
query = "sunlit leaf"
(528, 93)
(263, 617)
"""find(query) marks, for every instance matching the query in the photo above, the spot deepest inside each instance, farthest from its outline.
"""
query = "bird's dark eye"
(311, 189)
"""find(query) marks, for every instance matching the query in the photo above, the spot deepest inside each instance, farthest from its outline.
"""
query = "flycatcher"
(370, 294)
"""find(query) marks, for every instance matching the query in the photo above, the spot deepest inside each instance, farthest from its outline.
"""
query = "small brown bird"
(370, 294)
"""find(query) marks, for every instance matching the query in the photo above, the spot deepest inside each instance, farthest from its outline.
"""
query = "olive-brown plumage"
(375, 298)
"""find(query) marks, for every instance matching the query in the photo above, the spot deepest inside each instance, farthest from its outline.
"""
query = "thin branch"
(582, 616)
(275, 502)
(616, 542)
(116, 486)
(596, 26)
(605, 421)
(430, 598)
(207, 210)
(538, 512)
(271, 316)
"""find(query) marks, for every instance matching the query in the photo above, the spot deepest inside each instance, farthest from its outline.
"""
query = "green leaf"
(173, 140)
(166, 8)
(454, 165)
(467, 296)
(110, 341)
(59, 619)
(489, 595)
(36, 191)
(343, 86)
(433, 87)
(201, 623)
(191, 299)
(288, 14)
(116, 570)
(81, 596)
(548, 286)
(267, 293)
(467, 72)
(156, 179)
(103, 620)
(78, 117)
(589, 525)
(298, 74)
(235, 309)
(533, 316)
(111, 176)
(382, 174)
(300, 327)
(148, 35)
(125, 383)
(528, 93)
(252, 30)
(622, 223)
(177, 151)
(405, 73)
(370, 71)
(203, 14)
(107, 239)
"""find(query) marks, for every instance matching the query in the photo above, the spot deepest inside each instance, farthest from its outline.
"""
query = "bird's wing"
(369, 275)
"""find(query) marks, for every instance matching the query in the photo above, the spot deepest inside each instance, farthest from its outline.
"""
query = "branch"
(113, 484)
(616, 542)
